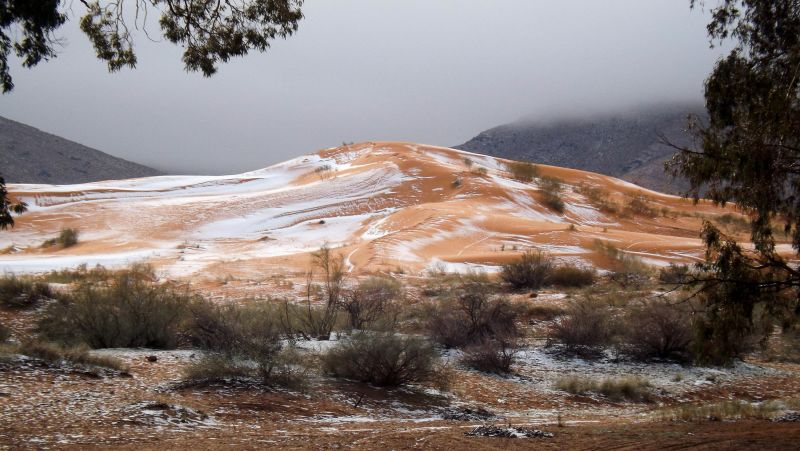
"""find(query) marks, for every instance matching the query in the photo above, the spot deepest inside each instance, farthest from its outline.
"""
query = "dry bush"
(599, 198)
(373, 304)
(83, 275)
(491, 356)
(5, 333)
(283, 369)
(551, 188)
(22, 293)
(128, 311)
(640, 205)
(659, 330)
(318, 322)
(522, 171)
(472, 317)
(79, 355)
(628, 270)
(570, 276)
(723, 411)
(540, 311)
(382, 359)
(584, 328)
(530, 271)
(626, 388)
(674, 274)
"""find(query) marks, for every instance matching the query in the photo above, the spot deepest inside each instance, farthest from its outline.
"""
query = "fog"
(430, 71)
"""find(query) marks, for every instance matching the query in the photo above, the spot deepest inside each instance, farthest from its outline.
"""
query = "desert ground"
(428, 218)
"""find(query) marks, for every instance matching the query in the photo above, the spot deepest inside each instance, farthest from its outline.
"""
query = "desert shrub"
(128, 311)
(530, 271)
(723, 411)
(79, 355)
(585, 327)
(626, 388)
(551, 188)
(491, 356)
(467, 162)
(734, 222)
(5, 333)
(628, 270)
(472, 317)
(640, 205)
(285, 368)
(523, 171)
(318, 322)
(82, 274)
(571, 276)
(599, 198)
(66, 238)
(674, 274)
(382, 359)
(659, 330)
(215, 368)
(480, 171)
(22, 293)
(541, 311)
(372, 303)
(456, 183)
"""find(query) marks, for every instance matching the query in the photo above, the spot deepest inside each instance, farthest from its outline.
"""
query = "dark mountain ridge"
(625, 145)
(29, 155)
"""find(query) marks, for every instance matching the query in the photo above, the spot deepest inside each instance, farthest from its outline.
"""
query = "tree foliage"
(8, 207)
(748, 153)
(210, 31)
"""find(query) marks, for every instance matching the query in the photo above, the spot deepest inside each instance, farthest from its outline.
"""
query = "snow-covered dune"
(384, 205)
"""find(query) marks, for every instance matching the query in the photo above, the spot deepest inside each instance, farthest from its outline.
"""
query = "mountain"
(382, 205)
(29, 155)
(624, 145)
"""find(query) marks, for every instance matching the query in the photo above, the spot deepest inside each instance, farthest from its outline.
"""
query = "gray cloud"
(432, 71)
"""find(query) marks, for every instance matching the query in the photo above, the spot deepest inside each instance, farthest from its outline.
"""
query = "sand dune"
(384, 205)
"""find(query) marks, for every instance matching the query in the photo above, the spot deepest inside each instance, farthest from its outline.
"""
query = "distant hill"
(29, 155)
(624, 145)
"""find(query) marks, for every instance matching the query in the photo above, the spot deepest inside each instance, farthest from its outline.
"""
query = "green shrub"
(128, 311)
(530, 271)
(22, 293)
(522, 171)
(571, 276)
(382, 359)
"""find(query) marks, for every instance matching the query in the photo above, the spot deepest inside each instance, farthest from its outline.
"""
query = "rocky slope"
(624, 145)
(29, 155)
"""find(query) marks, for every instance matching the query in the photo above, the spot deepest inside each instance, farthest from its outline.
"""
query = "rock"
(152, 358)
(467, 414)
(509, 432)
(788, 417)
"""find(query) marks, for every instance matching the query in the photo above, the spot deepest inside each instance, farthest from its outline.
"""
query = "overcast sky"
(430, 71)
